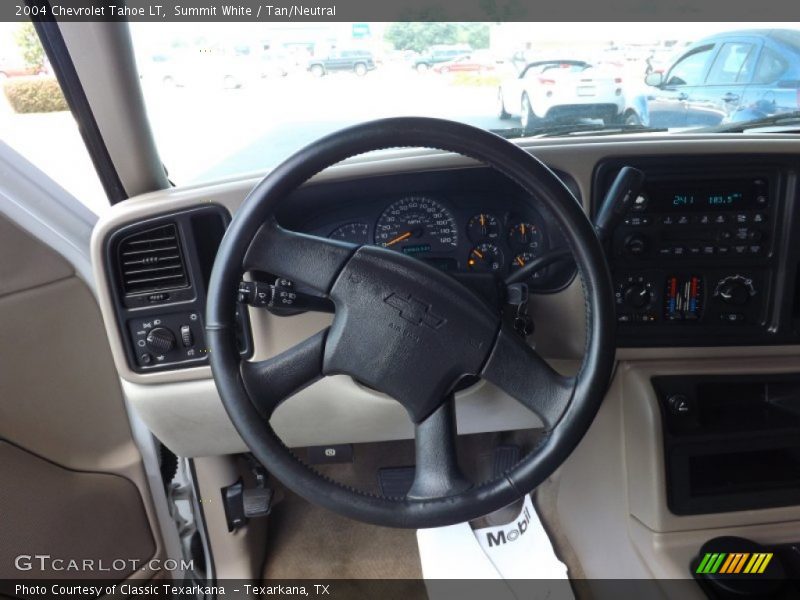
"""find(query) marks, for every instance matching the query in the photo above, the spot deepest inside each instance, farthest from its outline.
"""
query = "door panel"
(67, 456)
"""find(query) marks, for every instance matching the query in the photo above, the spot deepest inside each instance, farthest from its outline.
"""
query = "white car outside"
(562, 89)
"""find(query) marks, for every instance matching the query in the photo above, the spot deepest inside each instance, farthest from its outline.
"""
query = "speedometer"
(417, 225)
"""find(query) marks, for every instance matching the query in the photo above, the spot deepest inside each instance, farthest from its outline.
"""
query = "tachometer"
(356, 233)
(417, 225)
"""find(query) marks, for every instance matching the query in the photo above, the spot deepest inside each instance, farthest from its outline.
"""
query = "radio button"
(720, 219)
(724, 235)
(723, 250)
(754, 235)
(760, 217)
(741, 218)
(732, 317)
(762, 200)
(667, 220)
(703, 219)
(638, 221)
(678, 250)
(755, 249)
(683, 220)
(708, 250)
(693, 249)
(739, 249)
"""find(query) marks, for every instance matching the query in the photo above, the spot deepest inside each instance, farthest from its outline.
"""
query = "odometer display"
(417, 221)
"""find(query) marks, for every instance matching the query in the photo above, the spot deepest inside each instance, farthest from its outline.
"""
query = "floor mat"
(309, 542)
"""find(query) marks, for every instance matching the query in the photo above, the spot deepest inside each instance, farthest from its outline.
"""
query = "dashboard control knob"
(635, 244)
(161, 339)
(735, 289)
(637, 295)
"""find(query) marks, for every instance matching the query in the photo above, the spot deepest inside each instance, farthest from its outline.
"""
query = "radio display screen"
(705, 196)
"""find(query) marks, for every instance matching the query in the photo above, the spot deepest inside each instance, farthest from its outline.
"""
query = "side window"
(734, 64)
(35, 119)
(690, 68)
(770, 68)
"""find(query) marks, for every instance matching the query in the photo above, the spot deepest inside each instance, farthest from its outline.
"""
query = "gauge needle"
(477, 253)
(399, 238)
(520, 262)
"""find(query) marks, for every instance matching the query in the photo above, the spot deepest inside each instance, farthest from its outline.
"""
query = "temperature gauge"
(485, 257)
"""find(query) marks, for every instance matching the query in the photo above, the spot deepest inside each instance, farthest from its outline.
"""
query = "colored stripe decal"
(727, 564)
(764, 564)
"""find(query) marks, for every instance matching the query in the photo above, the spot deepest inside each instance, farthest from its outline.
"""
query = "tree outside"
(420, 36)
(29, 46)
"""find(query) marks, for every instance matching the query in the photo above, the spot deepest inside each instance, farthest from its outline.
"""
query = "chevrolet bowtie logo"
(414, 311)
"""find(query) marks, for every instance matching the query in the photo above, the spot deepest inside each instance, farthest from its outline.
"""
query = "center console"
(696, 260)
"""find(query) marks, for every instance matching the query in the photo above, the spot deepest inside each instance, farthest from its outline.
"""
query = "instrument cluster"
(450, 236)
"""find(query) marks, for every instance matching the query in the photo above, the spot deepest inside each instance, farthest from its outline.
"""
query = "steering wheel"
(406, 329)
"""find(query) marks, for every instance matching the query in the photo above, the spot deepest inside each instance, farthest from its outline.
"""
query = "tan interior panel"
(26, 262)
(61, 401)
(71, 515)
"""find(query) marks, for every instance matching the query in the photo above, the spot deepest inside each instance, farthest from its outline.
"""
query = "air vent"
(152, 261)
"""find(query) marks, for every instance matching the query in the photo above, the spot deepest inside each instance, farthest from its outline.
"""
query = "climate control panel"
(710, 298)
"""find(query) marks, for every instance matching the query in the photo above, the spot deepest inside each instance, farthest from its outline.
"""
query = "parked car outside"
(730, 77)
(10, 69)
(474, 62)
(359, 62)
(439, 54)
(559, 90)
(217, 68)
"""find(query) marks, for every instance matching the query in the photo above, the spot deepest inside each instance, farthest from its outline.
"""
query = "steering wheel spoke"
(303, 258)
(268, 382)
(437, 471)
(518, 370)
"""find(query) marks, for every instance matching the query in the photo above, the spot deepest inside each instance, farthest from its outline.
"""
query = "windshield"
(228, 99)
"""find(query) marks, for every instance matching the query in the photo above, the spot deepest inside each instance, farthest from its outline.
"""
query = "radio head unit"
(694, 258)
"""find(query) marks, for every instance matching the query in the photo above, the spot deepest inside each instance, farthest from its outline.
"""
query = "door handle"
(683, 96)
(730, 97)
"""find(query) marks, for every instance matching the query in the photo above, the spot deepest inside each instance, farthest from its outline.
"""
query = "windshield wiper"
(787, 118)
(561, 129)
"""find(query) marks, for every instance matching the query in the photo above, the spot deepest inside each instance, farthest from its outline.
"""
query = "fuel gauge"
(486, 258)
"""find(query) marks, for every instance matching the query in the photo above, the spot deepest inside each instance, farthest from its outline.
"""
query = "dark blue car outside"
(729, 77)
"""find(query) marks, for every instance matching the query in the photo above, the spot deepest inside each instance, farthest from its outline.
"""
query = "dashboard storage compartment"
(730, 443)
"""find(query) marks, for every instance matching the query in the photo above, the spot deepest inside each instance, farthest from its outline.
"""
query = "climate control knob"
(637, 295)
(735, 289)
(160, 339)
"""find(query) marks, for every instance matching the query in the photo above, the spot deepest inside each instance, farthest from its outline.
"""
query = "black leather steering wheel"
(406, 329)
